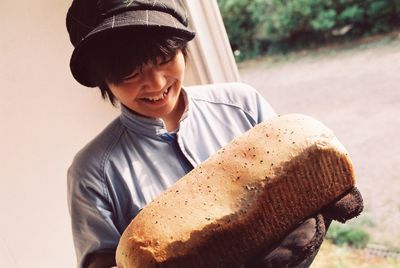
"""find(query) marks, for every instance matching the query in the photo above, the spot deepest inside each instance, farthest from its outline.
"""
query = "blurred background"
(336, 60)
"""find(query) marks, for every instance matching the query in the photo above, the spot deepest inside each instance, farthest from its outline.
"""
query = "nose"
(155, 79)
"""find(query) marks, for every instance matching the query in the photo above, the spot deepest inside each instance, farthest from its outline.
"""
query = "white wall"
(45, 118)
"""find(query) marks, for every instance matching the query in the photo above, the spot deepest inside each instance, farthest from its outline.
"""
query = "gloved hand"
(300, 246)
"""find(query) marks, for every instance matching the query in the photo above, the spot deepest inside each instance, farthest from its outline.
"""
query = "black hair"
(116, 54)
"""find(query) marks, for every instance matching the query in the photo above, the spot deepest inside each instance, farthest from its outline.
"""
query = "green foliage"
(351, 235)
(325, 20)
(254, 26)
(380, 12)
(241, 26)
(351, 14)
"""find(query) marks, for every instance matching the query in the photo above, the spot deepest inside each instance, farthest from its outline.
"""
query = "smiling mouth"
(159, 97)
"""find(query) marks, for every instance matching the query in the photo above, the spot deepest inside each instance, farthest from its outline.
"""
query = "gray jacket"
(134, 159)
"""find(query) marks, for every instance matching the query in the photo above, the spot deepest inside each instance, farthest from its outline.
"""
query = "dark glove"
(300, 246)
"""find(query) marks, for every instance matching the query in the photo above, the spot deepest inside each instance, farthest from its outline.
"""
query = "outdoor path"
(356, 93)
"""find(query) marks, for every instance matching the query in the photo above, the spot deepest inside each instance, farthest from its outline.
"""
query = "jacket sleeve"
(254, 104)
(264, 109)
(91, 212)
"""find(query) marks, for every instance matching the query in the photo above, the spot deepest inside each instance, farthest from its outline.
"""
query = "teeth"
(160, 97)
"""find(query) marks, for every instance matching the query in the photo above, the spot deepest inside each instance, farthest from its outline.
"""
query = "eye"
(131, 76)
(167, 60)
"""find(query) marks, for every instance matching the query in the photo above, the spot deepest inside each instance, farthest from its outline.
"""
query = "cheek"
(123, 92)
(115, 91)
(179, 66)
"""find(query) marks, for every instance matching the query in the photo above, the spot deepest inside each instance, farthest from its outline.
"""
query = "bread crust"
(242, 199)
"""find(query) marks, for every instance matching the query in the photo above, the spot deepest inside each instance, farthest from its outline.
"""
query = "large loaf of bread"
(240, 200)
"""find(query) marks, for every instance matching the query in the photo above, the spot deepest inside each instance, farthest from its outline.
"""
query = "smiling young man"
(135, 52)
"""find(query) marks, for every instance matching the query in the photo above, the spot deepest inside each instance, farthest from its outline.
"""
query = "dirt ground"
(355, 92)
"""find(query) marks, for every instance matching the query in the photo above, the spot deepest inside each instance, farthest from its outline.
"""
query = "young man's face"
(154, 90)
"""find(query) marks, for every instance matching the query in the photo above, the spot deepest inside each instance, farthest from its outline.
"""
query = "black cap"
(87, 19)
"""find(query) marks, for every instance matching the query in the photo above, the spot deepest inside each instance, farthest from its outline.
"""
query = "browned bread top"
(249, 193)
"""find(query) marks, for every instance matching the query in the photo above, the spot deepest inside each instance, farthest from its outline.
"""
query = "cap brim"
(130, 19)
